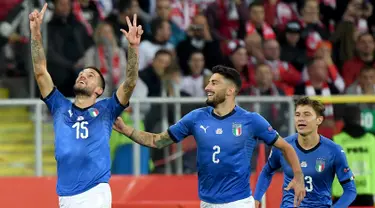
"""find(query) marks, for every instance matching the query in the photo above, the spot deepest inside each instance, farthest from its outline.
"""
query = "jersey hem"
(227, 200)
(80, 191)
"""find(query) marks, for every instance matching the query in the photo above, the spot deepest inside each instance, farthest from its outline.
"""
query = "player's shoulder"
(291, 138)
(200, 112)
(248, 114)
(329, 143)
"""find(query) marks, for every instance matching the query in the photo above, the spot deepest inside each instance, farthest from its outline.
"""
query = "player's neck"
(224, 108)
(82, 101)
(309, 141)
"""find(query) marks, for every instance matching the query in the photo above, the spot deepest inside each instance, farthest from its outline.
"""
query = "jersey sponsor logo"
(346, 170)
(303, 164)
(320, 165)
(80, 118)
(204, 128)
(237, 129)
(219, 131)
(93, 112)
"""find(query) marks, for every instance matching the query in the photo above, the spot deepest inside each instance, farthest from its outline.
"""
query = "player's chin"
(303, 132)
(210, 102)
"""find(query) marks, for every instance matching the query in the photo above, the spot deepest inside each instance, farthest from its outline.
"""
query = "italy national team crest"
(93, 112)
(320, 165)
(237, 129)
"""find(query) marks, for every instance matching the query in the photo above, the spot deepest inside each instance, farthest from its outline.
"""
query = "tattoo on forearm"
(164, 140)
(131, 72)
(37, 53)
(150, 139)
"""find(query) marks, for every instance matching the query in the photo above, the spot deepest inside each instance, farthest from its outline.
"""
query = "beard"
(216, 100)
(81, 91)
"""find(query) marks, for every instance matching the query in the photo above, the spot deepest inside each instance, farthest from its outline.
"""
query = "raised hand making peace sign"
(36, 19)
(135, 32)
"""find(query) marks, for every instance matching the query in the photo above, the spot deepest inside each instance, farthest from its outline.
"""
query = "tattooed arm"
(125, 90)
(151, 140)
(42, 76)
(141, 137)
(134, 38)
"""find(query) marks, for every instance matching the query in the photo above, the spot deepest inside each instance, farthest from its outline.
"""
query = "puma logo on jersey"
(204, 129)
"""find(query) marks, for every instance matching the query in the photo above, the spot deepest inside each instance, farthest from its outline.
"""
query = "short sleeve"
(274, 159)
(54, 100)
(182, 128)
(114, 106)
(263, 130)
(343, 172)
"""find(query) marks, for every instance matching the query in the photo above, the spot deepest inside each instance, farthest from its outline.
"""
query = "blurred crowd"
(280, 47)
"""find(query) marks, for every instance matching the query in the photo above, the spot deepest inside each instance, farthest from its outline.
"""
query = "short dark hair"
(162, 52)
(102, 81)
(367, 68)
(229, 73)
(156, 24)
(256, 3)
(315, 104)
(361, 35)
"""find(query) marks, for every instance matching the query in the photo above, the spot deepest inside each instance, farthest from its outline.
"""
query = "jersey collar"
(309, 150)
(225, 116)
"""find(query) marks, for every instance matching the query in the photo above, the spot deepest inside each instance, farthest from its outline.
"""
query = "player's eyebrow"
(92, 73)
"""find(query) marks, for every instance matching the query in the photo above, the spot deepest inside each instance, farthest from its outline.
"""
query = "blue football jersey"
(319, 166)
(224, 149)
(82, 142)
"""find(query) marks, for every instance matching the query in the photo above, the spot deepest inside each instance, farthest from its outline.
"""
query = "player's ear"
(98, 91)
(319, 120)
(231, 90)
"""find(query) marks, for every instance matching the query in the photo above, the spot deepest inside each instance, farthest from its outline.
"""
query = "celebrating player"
(226, 136)
(320, 160)
(82, 129)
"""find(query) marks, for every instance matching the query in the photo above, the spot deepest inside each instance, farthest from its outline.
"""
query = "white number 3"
(309, 186)
(81, 126)
(216, 149)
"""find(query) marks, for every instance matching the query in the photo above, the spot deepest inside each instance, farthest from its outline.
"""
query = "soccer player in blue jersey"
(321, 159)
(226, 136)
(83, 128)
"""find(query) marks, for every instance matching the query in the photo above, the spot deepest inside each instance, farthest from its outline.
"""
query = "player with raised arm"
(83, 128)
(226, 136)
(320, 160)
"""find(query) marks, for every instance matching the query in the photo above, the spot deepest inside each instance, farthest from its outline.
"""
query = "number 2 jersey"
(224, 149)
(319, 166)
(82, 142)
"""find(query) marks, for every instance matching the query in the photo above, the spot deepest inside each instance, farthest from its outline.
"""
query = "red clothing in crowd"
(351, 69)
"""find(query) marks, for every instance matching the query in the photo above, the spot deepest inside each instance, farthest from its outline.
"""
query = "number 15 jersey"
(82, 142)
(224, 149)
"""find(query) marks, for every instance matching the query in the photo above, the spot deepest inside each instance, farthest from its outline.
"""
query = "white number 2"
(81, 126)
(216, 149)
(309, 185)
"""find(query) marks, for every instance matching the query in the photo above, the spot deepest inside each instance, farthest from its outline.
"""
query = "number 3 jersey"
(319, 166)
(82, 142)
(224, 149)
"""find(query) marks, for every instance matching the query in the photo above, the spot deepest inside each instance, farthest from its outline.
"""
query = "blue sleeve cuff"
(49, 95)
(118, 101)
(172, 136)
